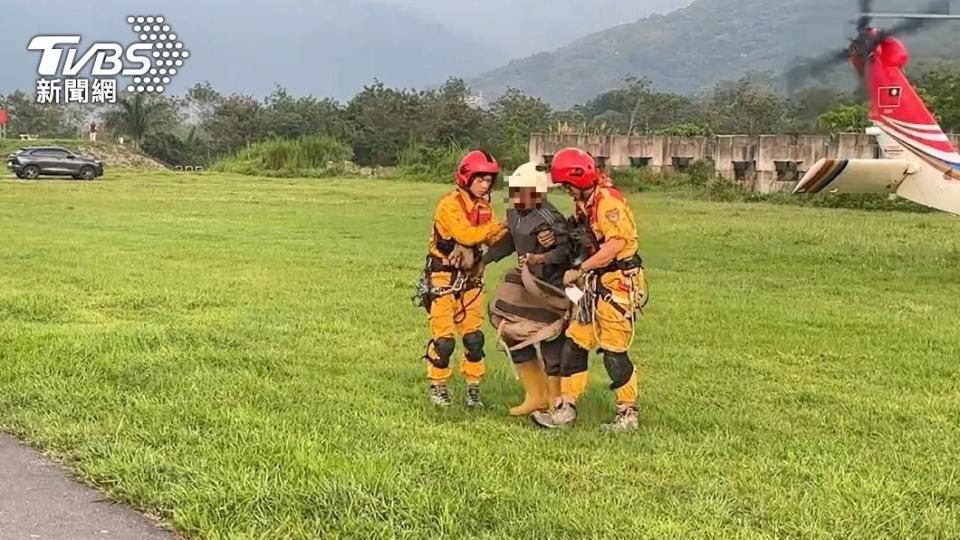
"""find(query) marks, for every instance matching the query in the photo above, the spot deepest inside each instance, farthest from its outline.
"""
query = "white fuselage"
(925, 183)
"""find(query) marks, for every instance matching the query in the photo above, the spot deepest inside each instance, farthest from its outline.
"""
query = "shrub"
(642, 179)
(428, 164)
(701, 172)
(304, 157)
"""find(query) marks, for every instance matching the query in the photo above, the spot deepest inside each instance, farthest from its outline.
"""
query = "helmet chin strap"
(588, 194)
(584, 195)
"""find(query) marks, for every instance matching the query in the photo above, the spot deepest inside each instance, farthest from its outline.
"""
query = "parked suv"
(33, 161)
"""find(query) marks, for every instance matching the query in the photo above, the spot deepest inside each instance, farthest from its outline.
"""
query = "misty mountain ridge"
(327, 48)
(709, 41)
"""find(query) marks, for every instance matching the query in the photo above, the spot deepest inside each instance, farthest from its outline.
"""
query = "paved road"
(38, 500)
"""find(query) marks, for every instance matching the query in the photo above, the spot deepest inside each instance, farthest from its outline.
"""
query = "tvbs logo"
(152, 62)
(107, 57)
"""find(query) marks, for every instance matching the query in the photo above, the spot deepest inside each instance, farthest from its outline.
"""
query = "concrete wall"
(766, 163)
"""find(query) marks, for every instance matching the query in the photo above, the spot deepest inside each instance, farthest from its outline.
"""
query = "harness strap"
(525, 320)
(606, 295)
(543, 334)
(630, 263)
(537, 287)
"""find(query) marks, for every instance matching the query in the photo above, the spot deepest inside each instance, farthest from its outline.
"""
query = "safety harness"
(595, 291)
(464, 276)
(464, 266)
(527, 311)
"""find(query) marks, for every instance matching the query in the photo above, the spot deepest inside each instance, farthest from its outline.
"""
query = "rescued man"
(463, 222)
(538, 235)
(611, 276)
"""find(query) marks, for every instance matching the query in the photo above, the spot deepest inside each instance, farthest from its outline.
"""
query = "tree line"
(382, 124)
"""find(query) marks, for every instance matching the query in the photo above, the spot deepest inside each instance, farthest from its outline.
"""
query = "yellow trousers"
(610, 332)
(452, 316)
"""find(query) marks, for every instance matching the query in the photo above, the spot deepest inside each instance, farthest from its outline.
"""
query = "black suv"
(32, 161)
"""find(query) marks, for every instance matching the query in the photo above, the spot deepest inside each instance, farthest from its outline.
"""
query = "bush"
(853, 201)
(309, 156)
(685, 130)
(642, 179)
(511, 157)
(700, 181)
(172, 150)
(701, 172)
(723, 190)
(427, 164)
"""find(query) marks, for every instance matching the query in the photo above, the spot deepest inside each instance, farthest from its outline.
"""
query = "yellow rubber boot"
(553, 389)
(534, 381)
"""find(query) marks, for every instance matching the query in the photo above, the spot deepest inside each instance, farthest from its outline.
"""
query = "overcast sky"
(321, 47)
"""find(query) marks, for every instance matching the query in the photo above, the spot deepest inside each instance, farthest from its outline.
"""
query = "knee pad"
(444, 348)
(619, 368)
(473, 343)
(573, 360)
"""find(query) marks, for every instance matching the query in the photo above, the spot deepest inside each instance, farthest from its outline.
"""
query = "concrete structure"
(766, 163)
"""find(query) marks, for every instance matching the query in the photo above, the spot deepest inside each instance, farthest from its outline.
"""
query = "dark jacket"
(524, 225)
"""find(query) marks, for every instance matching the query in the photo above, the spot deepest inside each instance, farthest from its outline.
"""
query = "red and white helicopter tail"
(921, 164)
(897, 109)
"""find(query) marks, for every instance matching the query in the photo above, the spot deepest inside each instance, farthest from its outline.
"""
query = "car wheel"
(31, 172)
(87, 173)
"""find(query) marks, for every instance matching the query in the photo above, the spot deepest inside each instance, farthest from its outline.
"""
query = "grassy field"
(240, 357)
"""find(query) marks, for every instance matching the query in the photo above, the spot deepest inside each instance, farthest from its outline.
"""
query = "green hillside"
(695, 47)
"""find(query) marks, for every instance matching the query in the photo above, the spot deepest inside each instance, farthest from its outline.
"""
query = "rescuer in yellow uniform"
(453, 287)
(611, 277)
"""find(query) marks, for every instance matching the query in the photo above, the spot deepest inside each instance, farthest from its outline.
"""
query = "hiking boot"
(473, 396)
(564, 415)
(439, 395)
(627, 419)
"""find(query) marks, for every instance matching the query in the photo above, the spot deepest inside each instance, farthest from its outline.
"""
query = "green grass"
(239, 356)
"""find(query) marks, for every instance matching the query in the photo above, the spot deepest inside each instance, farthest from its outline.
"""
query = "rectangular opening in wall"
(681, 164)
(639, 162)
(602, 162)
(742, 170)
(787, 171)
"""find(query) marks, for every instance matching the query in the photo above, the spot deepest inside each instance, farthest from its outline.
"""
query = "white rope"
(630, 317)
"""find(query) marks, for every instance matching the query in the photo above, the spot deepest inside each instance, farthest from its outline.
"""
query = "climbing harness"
(595, 291)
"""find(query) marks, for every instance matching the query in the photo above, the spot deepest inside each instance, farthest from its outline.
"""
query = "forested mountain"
(710, 40)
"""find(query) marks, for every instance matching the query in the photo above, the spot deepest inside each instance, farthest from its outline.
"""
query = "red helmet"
(574, 167)
(474, 163)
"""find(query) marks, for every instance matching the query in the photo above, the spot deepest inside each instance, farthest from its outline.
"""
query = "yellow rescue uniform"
(459, 219)
(611, 328)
